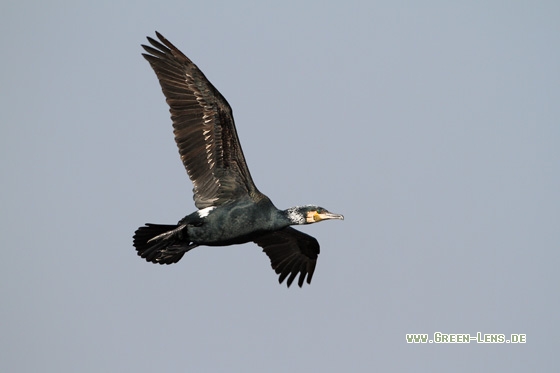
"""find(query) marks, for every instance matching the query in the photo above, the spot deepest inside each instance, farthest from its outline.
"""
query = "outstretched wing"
(291, 252)
(203, 126)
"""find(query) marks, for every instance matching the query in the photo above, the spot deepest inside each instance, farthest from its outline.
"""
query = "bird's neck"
(294, 216)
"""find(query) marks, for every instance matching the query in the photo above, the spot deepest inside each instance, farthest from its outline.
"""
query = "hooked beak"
(328, 215)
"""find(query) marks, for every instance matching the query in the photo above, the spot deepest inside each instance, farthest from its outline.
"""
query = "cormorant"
(231, 210)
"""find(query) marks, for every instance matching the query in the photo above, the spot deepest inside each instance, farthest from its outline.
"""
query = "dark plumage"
(231, 209)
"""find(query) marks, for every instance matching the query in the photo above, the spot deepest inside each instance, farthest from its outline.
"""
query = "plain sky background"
(433, 126)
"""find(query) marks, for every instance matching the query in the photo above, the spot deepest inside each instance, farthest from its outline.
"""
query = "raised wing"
(291, 252)
(203, 126)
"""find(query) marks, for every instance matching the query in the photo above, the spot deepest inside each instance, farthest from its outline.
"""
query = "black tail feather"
(162, 244)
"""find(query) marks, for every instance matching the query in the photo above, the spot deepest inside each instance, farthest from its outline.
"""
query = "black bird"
(231, 210)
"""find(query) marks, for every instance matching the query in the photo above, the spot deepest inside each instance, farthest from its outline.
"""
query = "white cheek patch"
(205, 211)
(311, 218)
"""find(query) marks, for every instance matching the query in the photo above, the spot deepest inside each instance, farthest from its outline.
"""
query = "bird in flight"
(231, 210)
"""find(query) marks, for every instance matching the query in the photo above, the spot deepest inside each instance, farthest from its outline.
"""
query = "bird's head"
(310, 214)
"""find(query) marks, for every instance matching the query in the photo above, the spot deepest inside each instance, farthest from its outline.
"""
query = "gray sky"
(433, 128)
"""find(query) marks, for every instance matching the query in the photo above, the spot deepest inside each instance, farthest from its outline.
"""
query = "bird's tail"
(163, 244)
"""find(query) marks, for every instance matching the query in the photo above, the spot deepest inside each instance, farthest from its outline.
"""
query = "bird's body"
(234, 223)
(231, 210)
